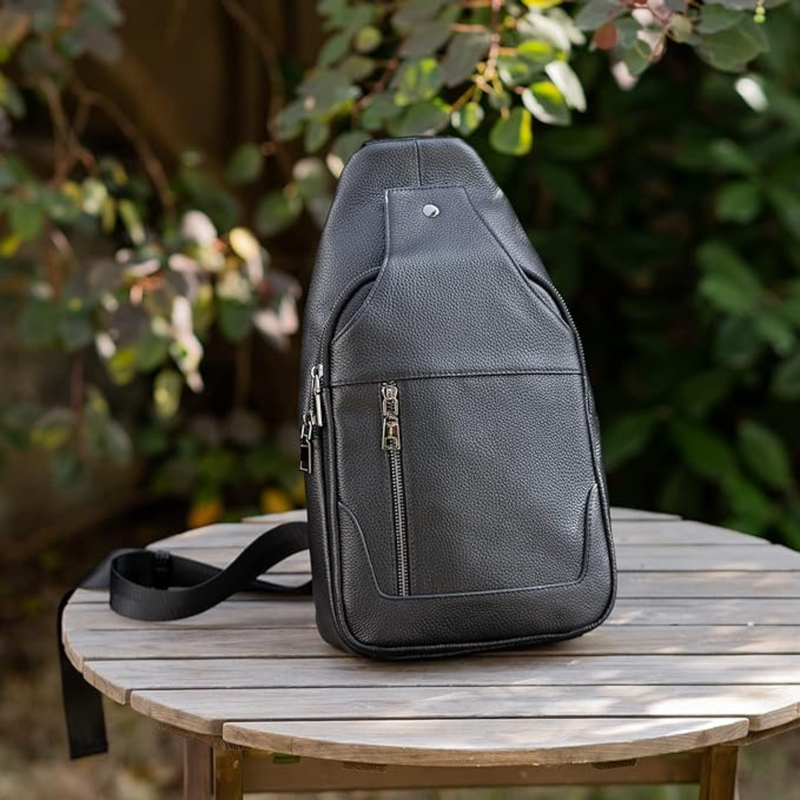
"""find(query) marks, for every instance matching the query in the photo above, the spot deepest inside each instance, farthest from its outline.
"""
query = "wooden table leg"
(210, 773)
(198, 770)
(228, 775)
(718, 777)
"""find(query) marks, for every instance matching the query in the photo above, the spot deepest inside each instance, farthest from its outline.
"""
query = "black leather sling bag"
(456, 494)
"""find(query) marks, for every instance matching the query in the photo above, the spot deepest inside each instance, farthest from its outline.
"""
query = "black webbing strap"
(155, 585)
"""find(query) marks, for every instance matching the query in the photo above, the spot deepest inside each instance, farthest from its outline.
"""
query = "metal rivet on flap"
(430, 210)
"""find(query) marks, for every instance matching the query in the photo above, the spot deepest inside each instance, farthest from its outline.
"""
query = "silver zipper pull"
(390, 410)
(306, 452)
(316, 393)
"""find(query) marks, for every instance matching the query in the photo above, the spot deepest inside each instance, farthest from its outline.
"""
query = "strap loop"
(156, 585)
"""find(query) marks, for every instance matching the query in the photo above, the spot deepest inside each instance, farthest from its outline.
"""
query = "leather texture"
(489, 527)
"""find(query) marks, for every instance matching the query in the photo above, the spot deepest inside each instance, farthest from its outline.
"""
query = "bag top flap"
(353, 240)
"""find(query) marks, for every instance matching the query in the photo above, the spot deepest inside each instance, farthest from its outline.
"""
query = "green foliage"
(499, 64)
(669, 215)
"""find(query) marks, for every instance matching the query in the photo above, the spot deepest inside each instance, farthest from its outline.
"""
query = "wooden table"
(700, 656)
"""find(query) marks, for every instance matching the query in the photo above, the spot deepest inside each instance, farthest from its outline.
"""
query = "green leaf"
(380, 110)
(462, 56)
(737, 344)
(357, 68)
(53, 429)
(699, 394)
(417, 80)
(10, 98)
(536, 52)
(547, 29)
(277, 210)
(786, 204)
(513, 135)
(542, 3)
(117, 443)
(566, 189)
(316, 135)
(367, 39)
(727, 281)
(731, 156)
(27, 219)
(752, 509)
(76, 331)
(288, 123)
(715, 18)
(64, 467)
(95, 194)
(327, 93)
(515, 71)
(731, 49)
(765, 454)
(774, 329)
(246, 164)
(680, 27)
(122, 365)
(235, 319)
(785, 383)
(334, 49)
(595, 13)
(167, 389)
(703, 450)
(151, 351)
(575, 144)
(412, 12)
(546, 103)
(38, 323)
(637, 57)
(626, 437)
(132, 220)
(739, 202)
(421, 119)
(468, 118)
(426, 38)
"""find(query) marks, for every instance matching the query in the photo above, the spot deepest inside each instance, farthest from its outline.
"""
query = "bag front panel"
(465, 500)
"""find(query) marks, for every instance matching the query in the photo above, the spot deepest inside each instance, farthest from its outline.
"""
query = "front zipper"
(312, 419)
(390, 442)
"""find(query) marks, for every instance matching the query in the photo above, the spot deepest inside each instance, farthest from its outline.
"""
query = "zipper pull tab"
(316, 393)
(390, 409)
(306, 431)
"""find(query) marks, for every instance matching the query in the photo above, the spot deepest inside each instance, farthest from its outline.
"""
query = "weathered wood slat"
(485, 742)
(118, 678)
(700, 585)
(304, 642)
(680, 532)
(230, 614)
(272, 613)
(205, 711)
(262, 773)
(618, 513)
(704, 643)
(711, 558)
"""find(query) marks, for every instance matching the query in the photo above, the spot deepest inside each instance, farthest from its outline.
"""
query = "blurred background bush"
(165, 169)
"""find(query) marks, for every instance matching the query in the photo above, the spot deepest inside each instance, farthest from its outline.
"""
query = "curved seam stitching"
(483, 592)
(521, 274)
(383, 269)
(465, 375)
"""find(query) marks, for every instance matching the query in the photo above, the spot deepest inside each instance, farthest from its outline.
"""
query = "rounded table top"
(702, 648)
